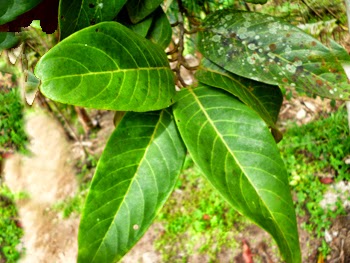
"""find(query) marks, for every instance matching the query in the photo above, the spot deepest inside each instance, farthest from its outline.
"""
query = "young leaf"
(134, 177)
(238, 155)
(107, 66)
(160, 32)
(138, 10)
(267, 49)
(7, 40)
(9, 10)
(265, 99)
(77, 14)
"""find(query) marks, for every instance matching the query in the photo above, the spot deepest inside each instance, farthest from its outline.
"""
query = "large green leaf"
(134, 177)
(107, 66)
(10, 9)
(77, 14)
(7, 40)
(265, 99)
(138, 10)
(160, 32)
(238, 155)
(267, 49)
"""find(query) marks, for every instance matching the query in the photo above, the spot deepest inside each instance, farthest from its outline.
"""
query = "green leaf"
(265, 99)
(141, 28)
(267, 49)
(134, 177)
(107, 66)
(8, 40)
(10, 9)
(160, 32)
(138, 10)
(238, 155)
(77, 14)
(261, 2)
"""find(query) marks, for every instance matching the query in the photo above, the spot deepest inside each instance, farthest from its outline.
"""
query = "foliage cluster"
(311, 155)
(12, 134)
(111, 56)
(10, 230)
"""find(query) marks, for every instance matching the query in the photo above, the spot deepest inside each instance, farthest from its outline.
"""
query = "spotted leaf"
(267, 49)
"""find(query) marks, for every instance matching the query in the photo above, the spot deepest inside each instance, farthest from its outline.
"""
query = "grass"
(10, 228)
(196, 220)
(311, 153)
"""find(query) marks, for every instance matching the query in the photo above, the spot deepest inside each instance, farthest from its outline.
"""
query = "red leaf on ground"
(326, 180)
(247, 253)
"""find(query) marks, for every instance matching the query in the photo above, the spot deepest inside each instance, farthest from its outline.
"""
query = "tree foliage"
(111, 56)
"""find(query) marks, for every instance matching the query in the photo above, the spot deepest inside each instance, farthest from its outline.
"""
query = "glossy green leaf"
(8, 40)
(238, 155)
(138, 10)
(10, 9)
(134, 177)
(265, 99)
(107, 66)
(267, 49)
(77, 14)
(160, 32)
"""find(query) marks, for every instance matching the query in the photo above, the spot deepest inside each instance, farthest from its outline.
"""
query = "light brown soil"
(47, 177)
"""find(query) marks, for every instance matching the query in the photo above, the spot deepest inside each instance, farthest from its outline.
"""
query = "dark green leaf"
(138, 10)
(238, 155)
(256, 1)
(160, 32)
(265, 99)
(77, 14)
(107, 66)
(134, 177)
(267, 49)
(7, 40)
(10, 9)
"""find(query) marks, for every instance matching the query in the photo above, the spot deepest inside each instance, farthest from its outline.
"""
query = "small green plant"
(196, 220)
(310, 155)
(12, 134)
(10, 228)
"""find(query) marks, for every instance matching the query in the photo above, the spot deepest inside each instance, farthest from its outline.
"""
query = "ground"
(47, 175)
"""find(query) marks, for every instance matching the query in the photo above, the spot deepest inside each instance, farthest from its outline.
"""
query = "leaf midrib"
(238, 163)
(106, 72)
(132, 181)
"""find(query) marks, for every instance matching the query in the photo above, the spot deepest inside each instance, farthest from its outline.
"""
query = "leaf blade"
(144, 153)
(247, 44)
(78, 14)
(235, 151)
(9, 10)
(265, 99)
(110, 68)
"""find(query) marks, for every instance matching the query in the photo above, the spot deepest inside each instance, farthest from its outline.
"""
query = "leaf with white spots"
(134, 177)
(265, 99)
(237, 154)
(267, 49)
(107, 66)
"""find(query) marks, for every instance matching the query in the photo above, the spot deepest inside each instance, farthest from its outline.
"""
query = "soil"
(47, 175)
